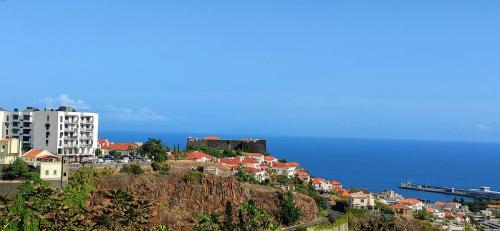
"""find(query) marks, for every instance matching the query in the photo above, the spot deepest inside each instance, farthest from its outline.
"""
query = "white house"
(288, 169)
(260, 175)
(361, 200)
(50, 166)
(413, 203)
(199, 156)
(10, 150)
(321, 184)
(257, 156)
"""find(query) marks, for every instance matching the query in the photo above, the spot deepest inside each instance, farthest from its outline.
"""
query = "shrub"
(132, 169)
(163, 168)
(17, 169)
(192, 177)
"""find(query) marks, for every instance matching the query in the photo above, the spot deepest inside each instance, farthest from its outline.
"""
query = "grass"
(327, 225)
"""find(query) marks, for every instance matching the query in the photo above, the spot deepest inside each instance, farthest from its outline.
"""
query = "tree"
(17, 169)
(98, 152)
(245, 176)
(123, 210)
(155, 149)
(253, 218)
(208, 223)
(116, 154)
(228, 224)
(289, 212)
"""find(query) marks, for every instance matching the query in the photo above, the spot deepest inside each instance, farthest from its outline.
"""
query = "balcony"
(70, 129)
(70, 137)
(86, 145)
(87, 129)
(70, 145)
(71, 121)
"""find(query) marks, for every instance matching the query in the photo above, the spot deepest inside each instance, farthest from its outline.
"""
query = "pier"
(483, 192)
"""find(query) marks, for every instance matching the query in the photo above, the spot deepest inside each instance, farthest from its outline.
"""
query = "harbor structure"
(482, 192)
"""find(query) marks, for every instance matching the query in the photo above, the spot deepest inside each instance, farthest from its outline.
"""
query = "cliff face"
(179, 201)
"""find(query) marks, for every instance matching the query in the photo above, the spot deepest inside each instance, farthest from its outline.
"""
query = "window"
(55, 172)
(46, 172)
(47, 134)
(46, 142)
(47, 118)
(362, 200)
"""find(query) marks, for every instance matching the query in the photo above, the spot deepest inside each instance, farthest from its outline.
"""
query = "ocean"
(375, 164)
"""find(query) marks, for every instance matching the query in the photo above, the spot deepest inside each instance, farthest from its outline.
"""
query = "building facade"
(64, 131)
(10, 150)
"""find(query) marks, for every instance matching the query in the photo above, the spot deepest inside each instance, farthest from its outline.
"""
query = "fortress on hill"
(244, 145)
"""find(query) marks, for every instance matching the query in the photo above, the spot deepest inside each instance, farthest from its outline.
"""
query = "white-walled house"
(361, 200)
(51, 167)
(10, 150)
(199, 156)
(288, 169)
(321, 184)
(413, 203)
(260, 175)
(257, 156)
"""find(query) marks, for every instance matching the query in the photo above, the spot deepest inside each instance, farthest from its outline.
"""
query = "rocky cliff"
(179, 200)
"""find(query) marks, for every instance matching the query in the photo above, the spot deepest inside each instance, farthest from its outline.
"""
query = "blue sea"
(375, 164)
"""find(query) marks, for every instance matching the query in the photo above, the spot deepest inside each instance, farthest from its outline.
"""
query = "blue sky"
(379, 69)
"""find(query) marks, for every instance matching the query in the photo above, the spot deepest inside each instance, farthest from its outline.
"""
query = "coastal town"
(56, 142)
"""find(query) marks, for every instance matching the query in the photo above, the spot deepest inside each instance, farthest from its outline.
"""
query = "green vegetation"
(116, 154)
(244, 176)
(289, 212)
(18, 169)
(154, 149)
(250, 218)
(40, 207)
(193, 177)
(98, 152)
(219, 153)
(423, 215)
(330, 225)
(162, 168)
(133, 168)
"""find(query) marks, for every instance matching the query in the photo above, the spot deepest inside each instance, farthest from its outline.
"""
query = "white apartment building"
(63, 131)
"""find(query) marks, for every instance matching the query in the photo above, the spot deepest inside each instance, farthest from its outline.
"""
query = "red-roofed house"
(303, 175)
(270, 159)
(124, 149)
(321, 184)
(49, 165)
(198, 156)
(260, 175)
(336, 184)
(342, 192)
(10, 150)
(412, 203)
(257, 156)
(288, 169)
(402, 209)
(250, 162)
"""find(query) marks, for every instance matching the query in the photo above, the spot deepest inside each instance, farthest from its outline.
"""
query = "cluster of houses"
(263, 165)
(48, 165)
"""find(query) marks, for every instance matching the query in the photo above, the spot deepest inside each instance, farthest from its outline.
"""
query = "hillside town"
(56, 142)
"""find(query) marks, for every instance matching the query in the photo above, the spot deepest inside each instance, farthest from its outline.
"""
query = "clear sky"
(380, 69)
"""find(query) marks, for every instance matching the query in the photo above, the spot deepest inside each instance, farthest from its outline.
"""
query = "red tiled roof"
(32, 153)
(254, 170)
(269, 158)
(400, 206)
(118, 146)
(410, 201)
(334, 182)
(430, 210)
(254, 154)
(249, 161)
(284, 165)
(317, 180)
(228, 161)
(440, 203)
(197, 155)
(212, 138)
(302, 173)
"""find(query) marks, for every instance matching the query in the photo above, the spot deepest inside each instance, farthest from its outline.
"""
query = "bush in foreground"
(132, 169)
